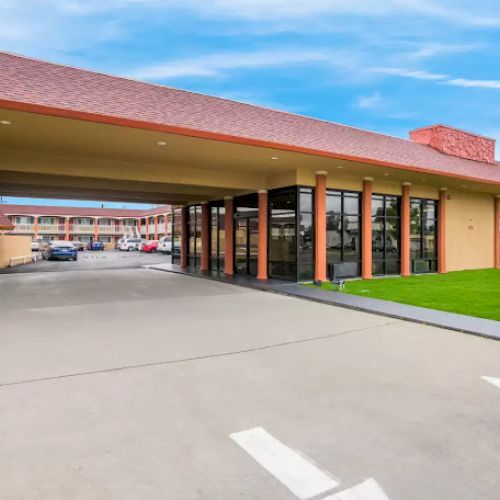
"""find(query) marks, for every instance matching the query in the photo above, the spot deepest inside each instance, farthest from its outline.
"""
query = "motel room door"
(246, 236)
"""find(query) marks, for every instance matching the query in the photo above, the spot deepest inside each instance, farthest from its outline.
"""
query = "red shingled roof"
(5, 223)
(44, 87)
(80, 211)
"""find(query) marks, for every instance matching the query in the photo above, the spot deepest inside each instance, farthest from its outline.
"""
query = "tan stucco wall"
(13, 246)
(469, 230)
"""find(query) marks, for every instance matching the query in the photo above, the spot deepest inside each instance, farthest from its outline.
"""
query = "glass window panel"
(334, 241)
(351, 204)
(392, 267)
(392, 239)
(377, 205)
(378, 267)
(351, 250)
(429, 209)
(306, 248)
(283, 252)
(392, 206)
(306, 200)
(333, 204)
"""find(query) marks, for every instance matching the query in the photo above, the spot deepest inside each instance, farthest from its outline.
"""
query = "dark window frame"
(347, 193)
(385, 218)
(433, 262)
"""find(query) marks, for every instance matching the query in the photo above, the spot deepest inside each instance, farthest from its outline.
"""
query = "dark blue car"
(60, 250)
(95, 245)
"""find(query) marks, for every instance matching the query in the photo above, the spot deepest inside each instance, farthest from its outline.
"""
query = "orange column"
(147, 228)
(205, 236)
(320, 227)
(35, 227)
(366, 229)
(229, 235)
(262, 253)
(405, 230)
(66, 224)
(184, 237)
(497, 232)
(96, 229)
(443, 196)
(156, 227)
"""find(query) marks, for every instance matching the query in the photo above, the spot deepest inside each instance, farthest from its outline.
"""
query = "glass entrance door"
(246, 244)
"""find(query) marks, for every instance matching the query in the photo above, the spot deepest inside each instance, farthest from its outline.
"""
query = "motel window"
(305, 247)
(194, 233)
(282, 234)
(386, 234)
(423, 235)
(343, 233)
(217, 237)
(176, 234)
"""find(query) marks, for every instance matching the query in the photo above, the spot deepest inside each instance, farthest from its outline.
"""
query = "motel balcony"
(81, 228)
(51, 228)
(24, 228)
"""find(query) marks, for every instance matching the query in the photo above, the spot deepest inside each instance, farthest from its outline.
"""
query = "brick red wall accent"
(454, 142)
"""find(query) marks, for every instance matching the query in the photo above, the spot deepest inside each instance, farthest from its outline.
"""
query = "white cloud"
(218, 64)
(373, 101)
(409, 73)
(428, 50)
(467, 83)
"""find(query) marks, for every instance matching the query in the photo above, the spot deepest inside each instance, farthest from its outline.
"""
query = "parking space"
(92, 260)
(135, 383)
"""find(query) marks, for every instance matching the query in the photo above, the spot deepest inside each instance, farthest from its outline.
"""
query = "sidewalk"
(442, 319)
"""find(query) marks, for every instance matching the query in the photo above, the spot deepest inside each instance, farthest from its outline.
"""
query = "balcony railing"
(24, 228)
(107, 229)
(81, 228)
(51, 228)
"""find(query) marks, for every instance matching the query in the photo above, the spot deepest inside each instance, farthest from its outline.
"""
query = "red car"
(150, 246)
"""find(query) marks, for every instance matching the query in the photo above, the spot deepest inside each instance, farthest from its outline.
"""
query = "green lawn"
(476, 293)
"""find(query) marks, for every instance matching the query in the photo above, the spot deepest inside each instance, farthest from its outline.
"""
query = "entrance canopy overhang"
(57, 157)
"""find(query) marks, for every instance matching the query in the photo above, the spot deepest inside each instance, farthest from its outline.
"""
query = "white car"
(165, 244)
(130, 244)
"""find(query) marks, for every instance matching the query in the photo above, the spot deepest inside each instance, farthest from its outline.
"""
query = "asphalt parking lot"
(92, 260)
(141, 384)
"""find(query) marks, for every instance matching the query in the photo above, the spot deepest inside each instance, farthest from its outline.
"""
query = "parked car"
(165, 244)
(78, 245)
(149, 246)
(95, 245)
(60, 250)
(118, 243)
(35, 246)
(130, 244)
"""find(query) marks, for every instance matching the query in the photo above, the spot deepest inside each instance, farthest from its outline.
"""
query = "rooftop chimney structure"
(455, 142)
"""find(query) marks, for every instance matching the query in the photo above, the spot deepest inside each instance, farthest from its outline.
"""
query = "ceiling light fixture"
(5, 122)
(161, 143)
(274, 158)
(340, 166)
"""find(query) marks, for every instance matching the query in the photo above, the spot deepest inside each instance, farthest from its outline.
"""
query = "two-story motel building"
(257, 191)
(47, 223)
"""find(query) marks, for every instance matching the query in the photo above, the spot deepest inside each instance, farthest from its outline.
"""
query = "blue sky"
(384, 65)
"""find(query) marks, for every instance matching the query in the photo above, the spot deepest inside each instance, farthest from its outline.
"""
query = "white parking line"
(492, 380)
(367, 490)
(299, 475)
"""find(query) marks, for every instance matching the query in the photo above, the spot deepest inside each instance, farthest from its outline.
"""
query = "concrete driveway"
(137, 384)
